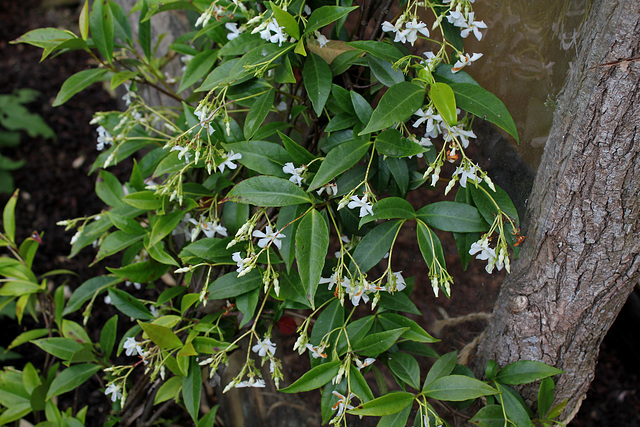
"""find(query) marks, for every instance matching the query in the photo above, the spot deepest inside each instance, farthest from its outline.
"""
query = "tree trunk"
(581, 259)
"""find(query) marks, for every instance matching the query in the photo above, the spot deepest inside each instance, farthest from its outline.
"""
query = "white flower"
(465, 60)
(296, 173)
(127, 96)
(114, 391)
(396, 282)
(432, 61)
(240, 262)
(211, 228)
(263, 347)
(277, 37)
(251, 383)
(330, 188)
(458, 132)
(456, 18)
(307, 9)
(270, 235)
(468, 172)
(428, 117)
(132, 347)
(368, 361)
(154, 311)
(104, 138)
(234, 31)
(321, 39)
(205, 121)
(136, 285)
(482, 251)
(343, 403)
(182, 152)
(474, 26)
(359, 295)
(316, 351)
(204, 19)
(364, 205)
(413, 28)
(107, 300)
(227, 160)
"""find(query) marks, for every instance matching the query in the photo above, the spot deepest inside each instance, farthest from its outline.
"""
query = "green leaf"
(164, 337)
(129, 305)
(258, 112)
(87, 291)
(247, 304)
(396, 105)
(62, 348)
(140, 272)
(374, 344)
(387, 404)
(489, 416)
(264, 157)
(525, 371)
(9, 217)
(71, 378)
(453, 216)
(381, 50)
(27, 336)
(146, 200)
(115, 242)
(241, 44)
(457, 388)
(397, 419)
(316, 76)
(108, 336)
(209, 249)
(545, 396)
(312, 242)
(298, 153)
(444, 74)
(514, 406)
(405, 367)
(325, 15)
(445, 101)
(191, 389)
(331, 318)
(102, 29)
(398, 302)
(361, 106)
(230, 285)
(144, 30)
(415, 333)
(227, 73)
(44, 37)
(390, 208)
(314, 378)
(338, 160)
(109, 189)
(384, 72)
(373, 247)
(197, 68)
(77, 82)
(355, 331)
(489, 202)
(431, 249)
(400, 171)
(168, 390)
(286, 20)
(340, 122)
(122, 29)
(74, 331)
(391, 143)
(482, 103)
(164, 225)
(268, 191)
(441, 368)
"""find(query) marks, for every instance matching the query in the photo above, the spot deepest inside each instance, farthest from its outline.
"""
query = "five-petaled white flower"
(234, 31)
(366, 362)
(412, 30)
(429, 116)
(474, 26)
(321, 39)
(252, 382)
(114, 391)
(104, 138)
(240, 261)
(458, 132)
(481, 250)
(342, 403)
(468, 172)
(268, 236)
(296, 173)
(132, 347)
(263, 347)
(211, 228)
(465, 60)
(317, 351)
(227, 160)
(396, 282)
(362, 203)
(182, 152)
(277, 37)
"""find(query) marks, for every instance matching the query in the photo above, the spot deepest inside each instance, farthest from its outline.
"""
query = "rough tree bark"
(582, 256)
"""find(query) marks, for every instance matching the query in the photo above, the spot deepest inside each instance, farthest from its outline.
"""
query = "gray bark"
(581, 259)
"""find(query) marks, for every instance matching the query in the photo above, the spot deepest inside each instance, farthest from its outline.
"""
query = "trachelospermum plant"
(274, 186)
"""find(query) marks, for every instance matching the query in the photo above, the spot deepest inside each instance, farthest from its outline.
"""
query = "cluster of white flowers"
(209, 228)
(297, 174)
(271, 31)
(366, 208)
(482, 251)
(104, 138)
(132, 347)
(264, 347)
(269, 235)
(204, 119)
(410, 31)
(360, 290)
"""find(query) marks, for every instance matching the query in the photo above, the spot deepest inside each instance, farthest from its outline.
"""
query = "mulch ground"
(55, 185)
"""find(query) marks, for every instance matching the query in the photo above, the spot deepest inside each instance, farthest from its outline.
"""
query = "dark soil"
(55, 185)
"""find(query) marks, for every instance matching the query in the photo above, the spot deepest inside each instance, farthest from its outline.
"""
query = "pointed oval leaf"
(71, 378)
(192, 388)
(525, 371)
(161, 335)
(286, 20)
(264, 157)
(415, 333)
(390, 208)
(268, 191)
(108, 336)
(315, 378)
(384, 72)
(374, 344)
(441, 368)
(77, 82)
(387, 404)
(457, 388)
(230, 285)
(453, 216)
(312, 242)
(391, 143)
(405, 367)
(338, 160)
(395, 106)
(375, 245)
(129, 305)
(445, 101)
(197, 68)
(258, 112)
(361, 106)
(317, 77)
(102, 28)
(324, 16)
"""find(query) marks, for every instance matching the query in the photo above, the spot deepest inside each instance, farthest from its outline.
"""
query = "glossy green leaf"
(121, 26)
(115, 242)
(162, 336)
(9, 217)
(400, 171)
(338, 160)
(140, 272)
(359, 385)
(405, 367)
(247, 304)
(457, 388)
(398, 302)
(264, 157)
(144, 29)
(227, 73)
(374, 344)
(258, 112)
(314, 378)
(62, 348)
(109, 189)
(230, 285)
(44, 37)
(382, 50)
(391, 143)
(441, 368)
(361, 107)
(356, 331)
(210, 249)
(415, 332)
(387, 404)
(397, 419)
(71, 378)
(268, 191)
(108, 336)
(241, 44)
(158, 253)
(312, 242)
(164, 225)
(286, 20)
(146, 200)
(102, 29)
(525, 371)
(396, 105)
(373, 247)
(489, 416)
(384, 72)
(331, 318)
(74, 331)
(299, 154)
(27, 336)
(78, 82)
(325, 15)
(445, 101)
(317, 77)
(489, 202)
(340, 122)
(129, 305)
(390, 208)
(198, 67)
(431, 249)
(545, 396)
(169, 390)
(453, 216)
(88, 290)
(482, 103)
(191, 388)
(514, 406)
